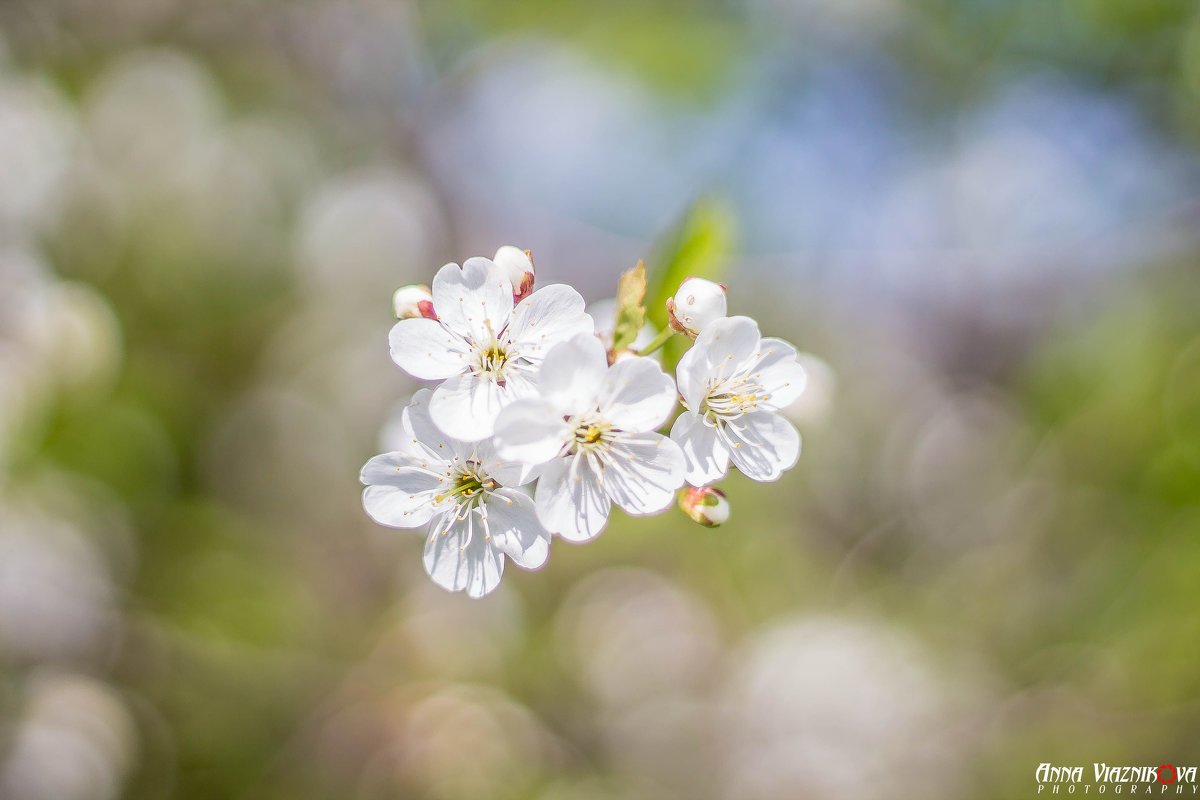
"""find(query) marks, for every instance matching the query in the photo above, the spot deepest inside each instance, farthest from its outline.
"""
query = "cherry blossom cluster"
(539, 420)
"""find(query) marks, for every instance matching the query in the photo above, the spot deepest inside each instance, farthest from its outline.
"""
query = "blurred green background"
(978, 216)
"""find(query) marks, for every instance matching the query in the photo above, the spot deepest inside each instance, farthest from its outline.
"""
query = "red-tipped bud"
(518, 265)
(706, 505)
(413, 301)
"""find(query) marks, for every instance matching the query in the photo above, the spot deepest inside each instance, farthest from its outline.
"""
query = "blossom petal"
(400, 470)
(459, 557)
(780, 373)
(643, 472)
(692, 376)
(398, 436)
(531, 431)
(573, 372)
(520, 380)
(764, 445)
(398, 494)
(474, 301)
(396, 508)
(516, 530)
(728, 344)
(550, 315)
(438, 448)
(425, 349)
(503, 471)
(466, 406)
(705, 454)
(636, 395)
(570, 501)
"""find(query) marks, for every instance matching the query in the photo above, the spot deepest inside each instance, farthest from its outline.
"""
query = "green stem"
(663, 335)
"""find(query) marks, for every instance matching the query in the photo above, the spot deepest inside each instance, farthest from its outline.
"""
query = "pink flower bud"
(413, 300)
(518, 265)
(706, 505)
(697, 304)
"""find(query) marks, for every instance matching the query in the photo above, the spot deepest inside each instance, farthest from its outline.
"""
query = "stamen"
(592, 434)
(493, 358)
(470, 531)
(731, 399)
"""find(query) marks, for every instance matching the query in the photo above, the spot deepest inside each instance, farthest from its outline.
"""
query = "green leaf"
(631, 314)
(697, 246)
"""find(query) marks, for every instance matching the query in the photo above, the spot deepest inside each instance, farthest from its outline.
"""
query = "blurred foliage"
(698, 246)
(692, 64)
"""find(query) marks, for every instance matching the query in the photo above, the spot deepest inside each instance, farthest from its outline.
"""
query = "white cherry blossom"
(467, 497)
(733, 384)
(593, 429)
(526, 392)
(484, 349)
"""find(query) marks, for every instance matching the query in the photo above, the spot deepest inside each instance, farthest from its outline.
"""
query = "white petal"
(474, 301)
(773, 351)
(570, 501)
(398, 494)
(459, 557)
(728, 344)
(764, 445)
(706, 455)
(398, 432)
(466, 406)
(692, 376)
(513, 473)
(425, 349)
(400, 470)
(550, 315)
(636, 395)
(437, 445)
(515, 529)
(518, 386)
(573, 372)
(780, 373)
(396, 508)
(643, 472)
(531, 431)
(504, 471)
(520, 380)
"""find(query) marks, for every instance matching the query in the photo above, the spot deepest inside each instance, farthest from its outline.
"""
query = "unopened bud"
(697, 303)
(706, 505)
(413, 301)
(518, 265)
